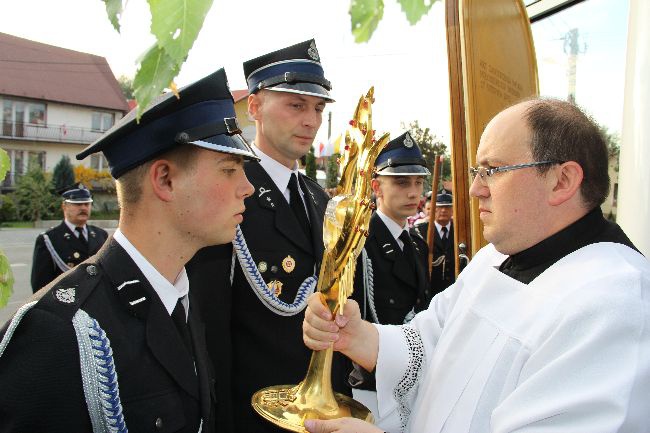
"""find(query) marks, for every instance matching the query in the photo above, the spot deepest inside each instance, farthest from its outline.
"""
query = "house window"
(36, 114)
(16, 113)
(102, 121)
(37, 158)
(98, 162)
(16, 167)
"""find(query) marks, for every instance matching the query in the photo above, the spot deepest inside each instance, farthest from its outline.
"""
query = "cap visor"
(79, 200)
(233, 144)
(309, 89)
(404, 170)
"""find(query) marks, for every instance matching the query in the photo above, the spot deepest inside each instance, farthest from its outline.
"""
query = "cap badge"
(65, 295)
(408, 141)
(288, 264)
(276, 287)
(313, 52)
(262, 266)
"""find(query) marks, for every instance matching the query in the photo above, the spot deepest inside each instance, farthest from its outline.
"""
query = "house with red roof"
(53, 102)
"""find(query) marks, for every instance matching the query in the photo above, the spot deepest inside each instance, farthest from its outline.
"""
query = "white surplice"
(567, 353)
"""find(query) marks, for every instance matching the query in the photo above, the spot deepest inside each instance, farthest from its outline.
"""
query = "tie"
(178, 316)
(82, 238)
(445, 237)
(409, 250)
(297, 206)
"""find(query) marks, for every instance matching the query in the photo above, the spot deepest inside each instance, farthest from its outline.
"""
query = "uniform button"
(391, 301)
(426, 292)
(274, 269)
(417, 302)
(159, 423)
(91, 270)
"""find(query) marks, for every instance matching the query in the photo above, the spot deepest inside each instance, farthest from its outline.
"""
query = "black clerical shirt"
(592, 228)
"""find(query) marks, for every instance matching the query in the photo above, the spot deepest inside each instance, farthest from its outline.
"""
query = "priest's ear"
(564, 182)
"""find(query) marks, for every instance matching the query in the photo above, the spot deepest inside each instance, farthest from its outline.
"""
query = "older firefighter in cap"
(391, 282)
(116, 344)
(443, 268)
(277, 252)
(63, 247)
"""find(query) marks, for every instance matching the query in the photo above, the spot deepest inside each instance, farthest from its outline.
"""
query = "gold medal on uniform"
(288, 264)
(276, 286)
(262, 266)
(75, 255)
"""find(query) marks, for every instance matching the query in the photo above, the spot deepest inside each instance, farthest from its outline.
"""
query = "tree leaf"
(177, 23)
(114, 9)
(5, 163)
(6, 280)
(157, 70)
(365, 16)
(415, 9)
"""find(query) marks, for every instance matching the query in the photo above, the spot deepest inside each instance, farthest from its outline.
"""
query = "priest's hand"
(341, 425)
(352, 336)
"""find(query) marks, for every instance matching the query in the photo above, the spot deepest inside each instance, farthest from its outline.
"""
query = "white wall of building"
(634, 173)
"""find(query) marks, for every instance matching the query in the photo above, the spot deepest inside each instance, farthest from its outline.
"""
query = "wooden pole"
(432, 213)
(460, 156)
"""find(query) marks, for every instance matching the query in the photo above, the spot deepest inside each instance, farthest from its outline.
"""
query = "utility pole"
(329, 125)
(572, 48)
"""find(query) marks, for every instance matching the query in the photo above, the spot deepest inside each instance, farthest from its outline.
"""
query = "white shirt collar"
(167, 292)
(278, 172)
(394, 228)
(439, 227)
(72, 227)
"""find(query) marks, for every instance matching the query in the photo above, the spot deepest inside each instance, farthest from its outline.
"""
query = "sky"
(406, 64)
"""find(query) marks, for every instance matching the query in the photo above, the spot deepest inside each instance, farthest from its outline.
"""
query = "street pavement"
(18, 246)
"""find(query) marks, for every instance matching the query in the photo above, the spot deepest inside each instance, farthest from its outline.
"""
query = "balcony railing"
(58, 133)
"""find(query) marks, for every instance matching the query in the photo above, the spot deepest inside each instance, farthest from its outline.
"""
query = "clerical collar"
(527, 265)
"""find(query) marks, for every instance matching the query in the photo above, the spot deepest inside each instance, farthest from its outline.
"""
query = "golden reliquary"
(344, 233)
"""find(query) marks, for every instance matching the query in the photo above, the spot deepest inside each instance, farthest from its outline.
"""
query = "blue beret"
(295, 69)
(77, 195)
(401, 157)
(203, 115)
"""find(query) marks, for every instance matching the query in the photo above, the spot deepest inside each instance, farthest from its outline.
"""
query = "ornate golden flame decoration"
(344, 233)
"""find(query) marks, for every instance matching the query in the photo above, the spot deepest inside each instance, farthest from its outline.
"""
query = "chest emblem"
(288, 264)
(276, 287)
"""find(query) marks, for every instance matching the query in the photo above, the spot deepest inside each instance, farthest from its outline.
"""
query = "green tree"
(63, 174)
(431, 146)
(6, 277)
(33, 197)
(332, 173)
(366, 14)
(177, 23)
(310, 165)
(126, 84)
(613, 141)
